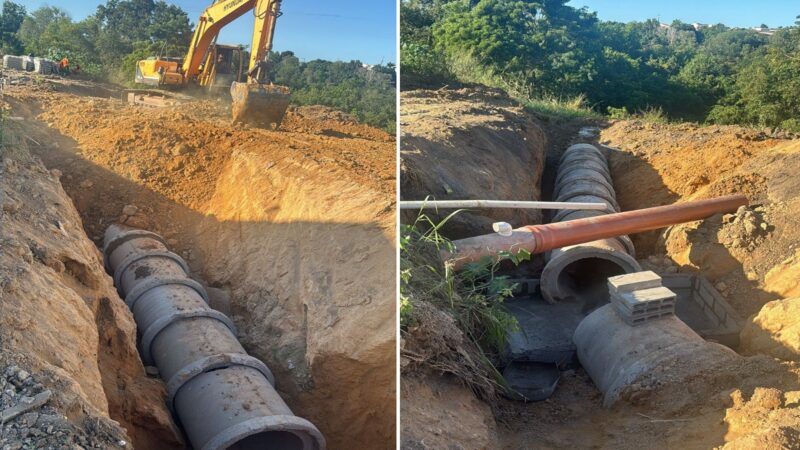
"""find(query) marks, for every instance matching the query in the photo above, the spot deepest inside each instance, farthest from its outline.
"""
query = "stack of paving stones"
(639, 297)
(43, 66)
(13, 62)
(28, 419)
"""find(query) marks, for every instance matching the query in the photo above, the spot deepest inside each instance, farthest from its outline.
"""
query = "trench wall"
(307, 260)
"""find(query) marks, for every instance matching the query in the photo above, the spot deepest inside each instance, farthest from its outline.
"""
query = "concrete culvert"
(579, 272)
(616, 355)
(222, 397)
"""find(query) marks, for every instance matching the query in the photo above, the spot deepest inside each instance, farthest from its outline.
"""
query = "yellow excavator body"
(158, 72)
(255, 99)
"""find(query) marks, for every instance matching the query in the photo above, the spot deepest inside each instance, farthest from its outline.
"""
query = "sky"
(734, 13)
(312, 29)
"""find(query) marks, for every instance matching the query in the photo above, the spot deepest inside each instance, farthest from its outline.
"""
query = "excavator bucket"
(260, 105)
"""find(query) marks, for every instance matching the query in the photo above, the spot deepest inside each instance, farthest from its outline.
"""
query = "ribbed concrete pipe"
(222, 397)
(617, 355)
(592, 164)
(580, 271)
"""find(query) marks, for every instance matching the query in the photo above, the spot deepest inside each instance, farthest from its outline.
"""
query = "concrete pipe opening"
(270, 439)
(579, 273)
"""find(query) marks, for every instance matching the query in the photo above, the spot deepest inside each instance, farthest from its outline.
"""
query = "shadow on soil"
(350, 401)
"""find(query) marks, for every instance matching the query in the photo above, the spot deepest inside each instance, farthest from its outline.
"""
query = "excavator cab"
(224, 65)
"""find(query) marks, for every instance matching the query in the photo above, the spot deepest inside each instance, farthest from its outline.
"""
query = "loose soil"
(751, 257)
(293, 230)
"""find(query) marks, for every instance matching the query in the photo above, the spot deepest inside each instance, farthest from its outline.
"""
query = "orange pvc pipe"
(541, 238)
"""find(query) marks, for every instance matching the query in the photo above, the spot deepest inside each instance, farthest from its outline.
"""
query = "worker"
(63, 66)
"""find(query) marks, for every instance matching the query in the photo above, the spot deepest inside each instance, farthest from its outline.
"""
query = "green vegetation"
(473, 296)
(366, 92)
(107, 44)
(558, 59)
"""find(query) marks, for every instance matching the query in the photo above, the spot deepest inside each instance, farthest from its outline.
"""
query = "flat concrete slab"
(630, 282)
(531, 381)
(546, 330)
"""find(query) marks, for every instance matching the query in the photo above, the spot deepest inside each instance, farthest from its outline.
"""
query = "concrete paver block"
(634, 281)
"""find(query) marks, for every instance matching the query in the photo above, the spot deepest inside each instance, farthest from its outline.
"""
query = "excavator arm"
(267, 13)
(257, 101)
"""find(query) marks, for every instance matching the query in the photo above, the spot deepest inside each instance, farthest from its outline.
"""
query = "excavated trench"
(655, 376)
(298, 255)
(741, 260)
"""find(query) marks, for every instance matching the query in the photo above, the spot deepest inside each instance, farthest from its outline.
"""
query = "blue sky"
(325, 29)
(736, 13)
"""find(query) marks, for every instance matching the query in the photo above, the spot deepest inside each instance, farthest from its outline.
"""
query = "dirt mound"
(660, 164)
(439, 412)
(768, 420)
(470, 144)
(775, 330)
(61, 318)
(291, 229)
(330, 122)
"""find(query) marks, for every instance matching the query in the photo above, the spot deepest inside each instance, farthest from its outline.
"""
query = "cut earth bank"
(292, 232)
(751, 257)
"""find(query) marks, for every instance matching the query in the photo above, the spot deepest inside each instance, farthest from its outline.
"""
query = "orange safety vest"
(64, 63)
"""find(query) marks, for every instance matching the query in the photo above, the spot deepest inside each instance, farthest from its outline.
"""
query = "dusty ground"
(295, 228)
(748, 402)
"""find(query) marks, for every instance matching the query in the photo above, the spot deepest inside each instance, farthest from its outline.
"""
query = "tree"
(36, 29)
(10, 21)
(766, 90)
(543, 48)
(125, 25)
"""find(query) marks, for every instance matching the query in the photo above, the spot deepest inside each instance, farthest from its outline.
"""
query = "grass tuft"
(451, 321)
(559, 109)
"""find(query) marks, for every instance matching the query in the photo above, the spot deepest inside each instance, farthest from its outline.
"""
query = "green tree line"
(546, 49)
(107, 45)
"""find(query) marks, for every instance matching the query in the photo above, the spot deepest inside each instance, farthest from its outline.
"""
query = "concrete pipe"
(580, 150)
(566, 214)
(579, 272)
(222, 397)
(576, 188)
(256, 418)
(585, 164)
(616, 355)
(577, 174)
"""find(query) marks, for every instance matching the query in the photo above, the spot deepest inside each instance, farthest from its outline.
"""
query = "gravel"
(29, 418)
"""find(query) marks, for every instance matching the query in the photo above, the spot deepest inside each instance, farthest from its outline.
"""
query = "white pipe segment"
(444, 204)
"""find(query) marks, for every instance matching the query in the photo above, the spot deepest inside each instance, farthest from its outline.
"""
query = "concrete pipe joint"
(222, 397)
(579, 272)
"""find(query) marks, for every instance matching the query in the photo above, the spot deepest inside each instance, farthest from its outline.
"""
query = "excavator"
(216, 67)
